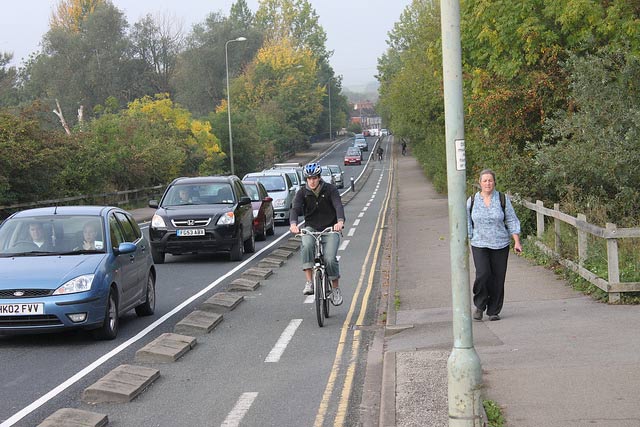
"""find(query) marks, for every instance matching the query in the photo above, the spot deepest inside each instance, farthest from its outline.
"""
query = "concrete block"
(222, 302)
(291, 245)
(282, 253)
(166, 348)
(121, 385)
(69, 417)
(271, 263)
(260, 273)
(198, 323)
(243, 284)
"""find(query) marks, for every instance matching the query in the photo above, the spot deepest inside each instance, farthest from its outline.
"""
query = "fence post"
(556, 228)
(539, 219)
(612, 262)
(582, 241)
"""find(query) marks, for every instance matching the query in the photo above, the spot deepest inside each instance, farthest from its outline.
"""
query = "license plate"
(21, 309)
(190, 232)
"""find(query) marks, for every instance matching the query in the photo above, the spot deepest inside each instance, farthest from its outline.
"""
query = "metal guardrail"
(116, 198)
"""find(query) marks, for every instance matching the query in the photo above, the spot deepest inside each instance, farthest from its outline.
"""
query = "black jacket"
(319, 212)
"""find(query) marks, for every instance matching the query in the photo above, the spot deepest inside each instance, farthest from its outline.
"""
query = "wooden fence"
(135, 197)
(610, 233)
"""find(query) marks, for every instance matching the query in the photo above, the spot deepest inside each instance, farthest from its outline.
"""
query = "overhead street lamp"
(226, 61)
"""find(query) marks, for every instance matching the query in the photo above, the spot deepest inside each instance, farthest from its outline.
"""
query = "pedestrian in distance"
(321, 205)
(404, 147)
(491, 223)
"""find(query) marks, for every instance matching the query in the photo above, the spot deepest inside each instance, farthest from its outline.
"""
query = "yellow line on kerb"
(328, 391)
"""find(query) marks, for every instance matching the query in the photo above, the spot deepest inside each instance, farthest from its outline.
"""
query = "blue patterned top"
(488, 230)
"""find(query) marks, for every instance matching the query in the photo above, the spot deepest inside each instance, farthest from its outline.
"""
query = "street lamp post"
(226, 61)
(330, 132)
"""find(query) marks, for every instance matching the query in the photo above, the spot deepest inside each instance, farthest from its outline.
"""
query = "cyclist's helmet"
(312, 169)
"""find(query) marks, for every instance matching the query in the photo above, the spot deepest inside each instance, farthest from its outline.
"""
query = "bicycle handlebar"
(317, 233)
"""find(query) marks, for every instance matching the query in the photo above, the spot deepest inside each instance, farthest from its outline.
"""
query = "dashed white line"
(361, 214)
(238, 412)
(344, 245)
(277, 350)
(356, 222)
(309, 299)
(364, 209)
(351, 232)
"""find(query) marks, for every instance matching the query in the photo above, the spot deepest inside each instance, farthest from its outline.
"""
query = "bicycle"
(321, 282)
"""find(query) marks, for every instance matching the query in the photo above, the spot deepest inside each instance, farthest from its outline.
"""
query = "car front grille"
(26, 293)
(191, 222)
(21, 321)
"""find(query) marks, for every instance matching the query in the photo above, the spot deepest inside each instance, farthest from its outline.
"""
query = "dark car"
(73, 267)
(208, 214)
(353, 156)
(262, 204)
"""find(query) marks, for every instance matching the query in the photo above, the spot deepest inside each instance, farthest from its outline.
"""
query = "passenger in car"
(89, 236)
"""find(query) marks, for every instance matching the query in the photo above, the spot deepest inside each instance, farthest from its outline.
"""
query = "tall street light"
(330, 132)
(226, 61)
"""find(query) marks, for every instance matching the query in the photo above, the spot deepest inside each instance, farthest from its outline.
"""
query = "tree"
(8, 81)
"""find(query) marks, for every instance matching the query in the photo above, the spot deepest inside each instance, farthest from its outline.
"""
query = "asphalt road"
(315, 379)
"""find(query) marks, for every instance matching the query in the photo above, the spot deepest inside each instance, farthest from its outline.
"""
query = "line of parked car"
(83, 267)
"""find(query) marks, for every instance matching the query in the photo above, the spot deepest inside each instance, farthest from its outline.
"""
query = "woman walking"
(491, 222)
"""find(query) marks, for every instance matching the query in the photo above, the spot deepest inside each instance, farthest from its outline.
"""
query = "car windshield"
(51, 235)
(252, 191)
(326, 172)
(334, 169)
(198, 194)
(353, 152)
(272, 183)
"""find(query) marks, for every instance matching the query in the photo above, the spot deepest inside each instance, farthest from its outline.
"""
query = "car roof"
(353, 150)
(269, 172)
(63, 210)
(204, 179)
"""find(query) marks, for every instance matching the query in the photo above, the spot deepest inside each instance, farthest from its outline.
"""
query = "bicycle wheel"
(318, 293)
(327, 294)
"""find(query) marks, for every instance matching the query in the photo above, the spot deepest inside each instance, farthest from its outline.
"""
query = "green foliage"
(494, 413)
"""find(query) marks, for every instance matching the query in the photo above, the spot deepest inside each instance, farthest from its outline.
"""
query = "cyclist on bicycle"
(321, 206)
(380, 152)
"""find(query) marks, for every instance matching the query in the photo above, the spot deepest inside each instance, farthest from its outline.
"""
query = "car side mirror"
(125, 248)
(267, 199)
(244, 200)
(153, 204)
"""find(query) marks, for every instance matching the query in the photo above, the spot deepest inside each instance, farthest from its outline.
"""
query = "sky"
(356, 29)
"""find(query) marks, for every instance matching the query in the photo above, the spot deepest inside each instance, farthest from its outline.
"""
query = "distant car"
(262, 204)
(384, 132)
(338, 175)
(327, 176)
(353, 156)
(216, 217)
(361, 142)
(280, 188)
(73, 267)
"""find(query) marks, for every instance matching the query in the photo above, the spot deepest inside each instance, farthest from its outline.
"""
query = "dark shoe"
(477, 314)
(494, 317)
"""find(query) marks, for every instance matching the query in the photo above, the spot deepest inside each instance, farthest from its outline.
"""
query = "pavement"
(557, 357)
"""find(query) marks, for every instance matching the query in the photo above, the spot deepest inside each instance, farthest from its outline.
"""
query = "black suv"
(206, 214)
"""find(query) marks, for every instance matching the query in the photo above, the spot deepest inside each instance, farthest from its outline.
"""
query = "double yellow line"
(372, 253)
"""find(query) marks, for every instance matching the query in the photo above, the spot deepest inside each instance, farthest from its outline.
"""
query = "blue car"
(73, 267)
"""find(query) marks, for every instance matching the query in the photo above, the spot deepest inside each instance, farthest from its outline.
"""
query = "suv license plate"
(190, 232)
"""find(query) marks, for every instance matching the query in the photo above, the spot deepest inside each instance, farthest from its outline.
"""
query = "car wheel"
(250, 243)
(109, 328)
(237, 249)
(157, 255)
(262, 234)
(149, 305)
(271, 231)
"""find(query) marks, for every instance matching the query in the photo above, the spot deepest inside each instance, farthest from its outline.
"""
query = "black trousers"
(491, 269)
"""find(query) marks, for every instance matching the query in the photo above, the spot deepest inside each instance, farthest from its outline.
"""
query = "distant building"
(365, 114)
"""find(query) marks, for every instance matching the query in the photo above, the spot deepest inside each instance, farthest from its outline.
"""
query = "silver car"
(327, 175)
(280, 189)
(338, 175)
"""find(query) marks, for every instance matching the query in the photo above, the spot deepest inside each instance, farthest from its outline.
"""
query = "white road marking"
(309, 299)
(364, 209)
(277, 350)
(361, 214)
(239, 410)
(344, 245)
(351, 232)
(356, 222)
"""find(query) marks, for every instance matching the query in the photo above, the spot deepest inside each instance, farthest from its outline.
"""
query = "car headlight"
(227, 219)
(279, 203)
(157, 222)
(79, 284)
(255, 213)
